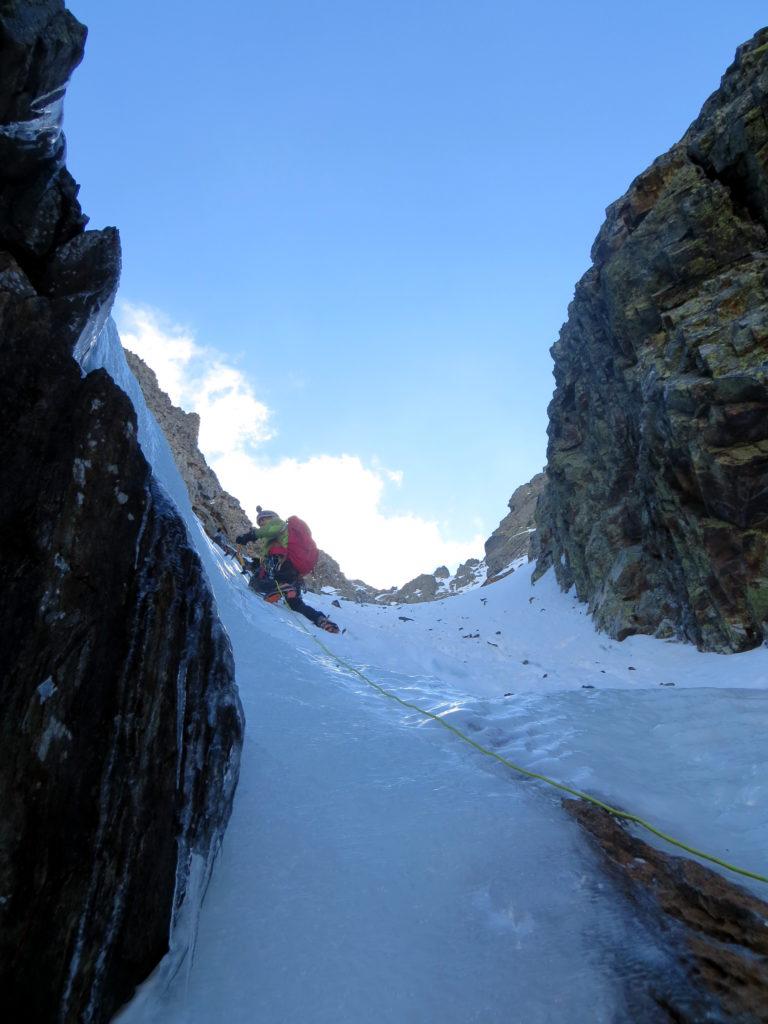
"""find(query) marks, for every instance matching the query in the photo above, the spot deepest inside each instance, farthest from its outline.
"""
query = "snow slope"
(523, 637)
(376, 869)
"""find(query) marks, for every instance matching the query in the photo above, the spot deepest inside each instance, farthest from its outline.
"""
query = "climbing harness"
(625, 815)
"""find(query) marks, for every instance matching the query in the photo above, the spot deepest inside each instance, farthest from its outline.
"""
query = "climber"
(285, 552)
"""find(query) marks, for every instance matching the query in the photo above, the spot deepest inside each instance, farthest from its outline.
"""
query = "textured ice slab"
(374, 870)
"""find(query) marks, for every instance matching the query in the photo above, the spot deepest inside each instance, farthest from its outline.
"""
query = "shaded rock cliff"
(656, 504)
(120, 731)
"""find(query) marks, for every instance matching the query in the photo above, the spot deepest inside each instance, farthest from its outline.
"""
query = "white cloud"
(167, 348)
(340, 498)
(198, 379)
(338, 495)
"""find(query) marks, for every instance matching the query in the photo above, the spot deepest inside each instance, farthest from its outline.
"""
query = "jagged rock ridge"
(121, 726)
(656, 505)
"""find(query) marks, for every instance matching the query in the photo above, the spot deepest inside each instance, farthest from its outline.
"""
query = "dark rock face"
(41, 43)
(656, 505)
(716, 929)
(120, 730)
(513, 537)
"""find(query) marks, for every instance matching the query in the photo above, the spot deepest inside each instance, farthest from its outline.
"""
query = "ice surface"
(378, 870)
(46, 689)
(43, 130)
(374, 870)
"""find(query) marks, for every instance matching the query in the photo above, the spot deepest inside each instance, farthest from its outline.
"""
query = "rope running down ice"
(625, 815)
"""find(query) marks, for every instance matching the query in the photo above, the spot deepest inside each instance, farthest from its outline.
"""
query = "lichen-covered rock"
(120, 725)
(656, 504)
(513, 537)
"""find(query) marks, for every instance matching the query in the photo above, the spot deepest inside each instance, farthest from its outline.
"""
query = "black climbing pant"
(286, 575)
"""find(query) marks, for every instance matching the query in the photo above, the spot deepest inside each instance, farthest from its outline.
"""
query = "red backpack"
(302, 550)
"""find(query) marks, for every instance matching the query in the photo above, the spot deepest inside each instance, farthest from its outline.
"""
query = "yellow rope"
(524, 771)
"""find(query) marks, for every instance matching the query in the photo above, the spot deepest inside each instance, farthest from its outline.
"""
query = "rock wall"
(656, 504)
(121, 726)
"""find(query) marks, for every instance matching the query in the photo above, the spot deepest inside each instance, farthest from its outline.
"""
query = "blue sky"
(376, 212)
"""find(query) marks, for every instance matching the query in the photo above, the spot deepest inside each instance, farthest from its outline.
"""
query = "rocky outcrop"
(120, 730)
(216, 509)
(513, 537)
(425, 587)
(468, 574)
(656, 505)
(715, 929)
(437, 585)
